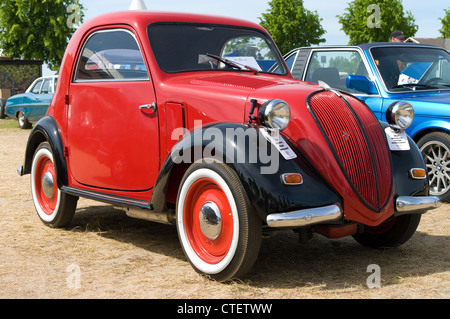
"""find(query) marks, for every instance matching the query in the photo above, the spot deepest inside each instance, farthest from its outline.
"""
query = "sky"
(426, 13)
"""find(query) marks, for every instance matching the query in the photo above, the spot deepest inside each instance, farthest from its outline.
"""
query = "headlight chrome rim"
(400, 115)
(275, 114)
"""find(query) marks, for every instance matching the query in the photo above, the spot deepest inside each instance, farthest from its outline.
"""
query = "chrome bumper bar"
(415, 205)
(333, 214)
(306, 217)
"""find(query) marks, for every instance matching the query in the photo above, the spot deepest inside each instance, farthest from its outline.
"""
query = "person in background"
(397, 36)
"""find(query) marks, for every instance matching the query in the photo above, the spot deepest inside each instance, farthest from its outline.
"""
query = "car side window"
(37, 87)
(437, 70)
(46, 86)
(333, 67)
(290, 61)
(111, 55)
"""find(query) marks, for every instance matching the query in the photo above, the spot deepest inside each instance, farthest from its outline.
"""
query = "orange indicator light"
(292, 179)
(418, 173)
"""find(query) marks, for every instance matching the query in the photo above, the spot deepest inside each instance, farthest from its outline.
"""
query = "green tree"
(374, 20)
(291, 25)
(38, 29)
(445, 31)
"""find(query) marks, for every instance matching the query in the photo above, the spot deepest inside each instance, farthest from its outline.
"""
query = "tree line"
(41, 29)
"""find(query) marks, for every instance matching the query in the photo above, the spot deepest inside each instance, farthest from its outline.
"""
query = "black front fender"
(46, 129)
(235, 145)
(402, 163)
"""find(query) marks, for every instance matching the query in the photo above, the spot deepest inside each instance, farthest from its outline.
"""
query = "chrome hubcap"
(48, 185)
(210, 220)
(437, 161)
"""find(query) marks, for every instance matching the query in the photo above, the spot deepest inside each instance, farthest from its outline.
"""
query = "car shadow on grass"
(344, 263)
(283, 261)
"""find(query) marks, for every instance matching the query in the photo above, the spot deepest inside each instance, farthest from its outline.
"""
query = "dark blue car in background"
(382, 74)
(32, 105)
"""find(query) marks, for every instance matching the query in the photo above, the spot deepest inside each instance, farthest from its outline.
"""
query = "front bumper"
(306, 217)
(415, 205)
(333, 214)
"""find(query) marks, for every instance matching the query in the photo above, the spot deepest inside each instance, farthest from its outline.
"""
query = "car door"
(112, 129)
(41, 100)
(31, 97)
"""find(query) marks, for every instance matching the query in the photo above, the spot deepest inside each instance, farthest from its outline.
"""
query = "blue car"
(382, 74)
(32, 105)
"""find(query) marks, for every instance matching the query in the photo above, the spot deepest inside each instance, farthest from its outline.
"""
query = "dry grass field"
(105, 254)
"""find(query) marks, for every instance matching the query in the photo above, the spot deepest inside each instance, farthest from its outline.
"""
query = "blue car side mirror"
(361, 83)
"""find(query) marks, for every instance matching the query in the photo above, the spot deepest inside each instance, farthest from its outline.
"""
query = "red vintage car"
(196, 121)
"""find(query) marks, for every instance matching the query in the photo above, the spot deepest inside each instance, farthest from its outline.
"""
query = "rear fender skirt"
(266, 192)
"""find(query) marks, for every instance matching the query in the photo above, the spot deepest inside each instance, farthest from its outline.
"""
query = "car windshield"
(407, 68)
(187, 47)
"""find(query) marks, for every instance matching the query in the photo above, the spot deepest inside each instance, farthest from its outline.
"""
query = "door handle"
(151, 107)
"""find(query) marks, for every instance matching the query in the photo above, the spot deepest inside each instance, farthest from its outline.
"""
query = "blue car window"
(290, 61)
(46, 87)
(333, 67)
(406, 68)
(36, 87)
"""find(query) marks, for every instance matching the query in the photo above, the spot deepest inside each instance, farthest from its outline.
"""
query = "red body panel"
(112, 141)
(145, 140)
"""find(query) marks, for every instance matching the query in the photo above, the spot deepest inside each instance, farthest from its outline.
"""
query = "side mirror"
(361, 83)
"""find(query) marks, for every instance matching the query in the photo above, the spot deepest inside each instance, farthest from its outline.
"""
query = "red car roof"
(139, 18)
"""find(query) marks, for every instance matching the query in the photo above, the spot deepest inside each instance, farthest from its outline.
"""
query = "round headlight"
(275, 114)
(400, 115)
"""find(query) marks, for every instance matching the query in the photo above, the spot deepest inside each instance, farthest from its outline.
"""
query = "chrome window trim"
(74, 80)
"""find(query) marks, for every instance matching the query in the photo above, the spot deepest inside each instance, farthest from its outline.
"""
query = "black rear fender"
(46, 130)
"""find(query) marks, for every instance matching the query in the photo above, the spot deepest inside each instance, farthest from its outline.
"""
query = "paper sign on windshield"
(245, 60)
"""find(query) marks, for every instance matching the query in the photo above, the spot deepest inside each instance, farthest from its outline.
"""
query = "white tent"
(138, 5)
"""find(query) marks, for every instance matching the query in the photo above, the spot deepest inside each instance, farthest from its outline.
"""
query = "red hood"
(229, 94)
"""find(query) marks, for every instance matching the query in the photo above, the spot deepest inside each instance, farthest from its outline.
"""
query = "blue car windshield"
(406, 68)
(189, 47)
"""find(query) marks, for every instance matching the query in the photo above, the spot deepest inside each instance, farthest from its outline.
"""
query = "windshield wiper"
(413, 86)
(223, 60)
(232, 64)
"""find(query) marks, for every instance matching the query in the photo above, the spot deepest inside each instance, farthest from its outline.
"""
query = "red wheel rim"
(46, 202)
(209, 250)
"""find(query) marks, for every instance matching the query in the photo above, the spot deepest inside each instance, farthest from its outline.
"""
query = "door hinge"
(67, 99)
(66, 151)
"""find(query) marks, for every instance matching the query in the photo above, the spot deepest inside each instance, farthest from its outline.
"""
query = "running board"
(133, 208)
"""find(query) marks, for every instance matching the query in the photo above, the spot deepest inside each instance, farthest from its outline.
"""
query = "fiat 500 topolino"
(196, 121)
